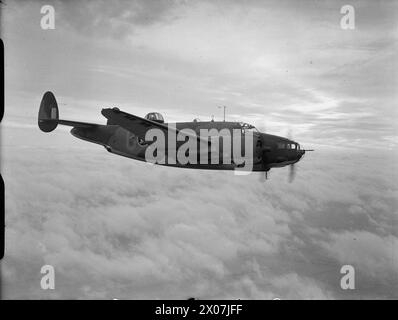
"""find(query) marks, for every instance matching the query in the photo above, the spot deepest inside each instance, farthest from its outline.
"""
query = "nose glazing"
(300, 154)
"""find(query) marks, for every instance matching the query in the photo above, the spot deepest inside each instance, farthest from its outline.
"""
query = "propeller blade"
(264, 163)
(292, 173)
(262, 176)
(290, 134)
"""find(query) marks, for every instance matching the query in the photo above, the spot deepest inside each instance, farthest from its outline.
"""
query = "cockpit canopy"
(155, 116)
(288, 145)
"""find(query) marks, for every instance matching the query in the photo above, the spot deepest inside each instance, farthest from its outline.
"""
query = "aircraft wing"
(139, 126)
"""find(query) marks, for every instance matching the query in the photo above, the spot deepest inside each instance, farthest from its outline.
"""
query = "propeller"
(264, 152)
(292, 167)
(290, 134)
(293, 157)
(264, 163)
(292, 172)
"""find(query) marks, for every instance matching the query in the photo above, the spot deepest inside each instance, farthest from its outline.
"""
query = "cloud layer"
(116, 228)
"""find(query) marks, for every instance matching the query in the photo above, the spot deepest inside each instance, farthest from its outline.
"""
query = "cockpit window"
(289, 146)
(281, 145)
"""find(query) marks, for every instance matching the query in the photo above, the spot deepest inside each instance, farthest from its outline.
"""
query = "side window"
(281, 146)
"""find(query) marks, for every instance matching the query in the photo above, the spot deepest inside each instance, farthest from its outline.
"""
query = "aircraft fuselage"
(122, 142)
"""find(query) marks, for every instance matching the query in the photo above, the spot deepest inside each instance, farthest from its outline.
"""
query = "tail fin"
(48, 112)
(49, 115)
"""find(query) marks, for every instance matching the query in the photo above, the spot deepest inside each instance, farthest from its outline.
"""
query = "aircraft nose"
(300, 154)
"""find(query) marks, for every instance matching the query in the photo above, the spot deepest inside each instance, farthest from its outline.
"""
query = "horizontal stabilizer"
(70, 123)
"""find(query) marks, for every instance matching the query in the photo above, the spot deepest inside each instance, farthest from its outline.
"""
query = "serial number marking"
(223, 309)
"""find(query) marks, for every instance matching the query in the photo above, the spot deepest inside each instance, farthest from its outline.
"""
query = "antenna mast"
(224, 110)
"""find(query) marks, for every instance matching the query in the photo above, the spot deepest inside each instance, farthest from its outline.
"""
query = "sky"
(116, 228)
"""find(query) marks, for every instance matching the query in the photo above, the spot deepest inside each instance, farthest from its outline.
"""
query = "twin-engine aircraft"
(183, 144)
